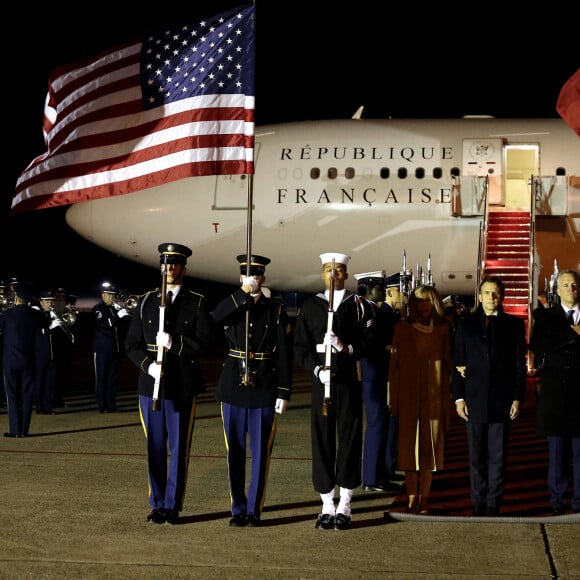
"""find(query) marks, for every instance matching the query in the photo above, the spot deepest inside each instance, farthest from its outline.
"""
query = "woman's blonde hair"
(426, 293)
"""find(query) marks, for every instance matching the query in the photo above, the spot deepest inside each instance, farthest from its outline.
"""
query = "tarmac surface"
(74, 506)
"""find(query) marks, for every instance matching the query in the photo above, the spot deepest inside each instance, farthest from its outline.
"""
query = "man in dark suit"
(168, 412)
(254, 386)
(488, 384)
(19, 325)
(556, 340)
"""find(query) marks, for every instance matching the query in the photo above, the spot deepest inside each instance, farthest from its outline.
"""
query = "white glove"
(154, 370)
(164, 340)
(116, 306)
(281, 405)
(55, 323)
(52, 314)
(251, 283)
(324, 376)
(333, 340)
(122, 313)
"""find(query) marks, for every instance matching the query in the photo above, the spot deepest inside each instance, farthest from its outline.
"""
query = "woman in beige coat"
(419, 391)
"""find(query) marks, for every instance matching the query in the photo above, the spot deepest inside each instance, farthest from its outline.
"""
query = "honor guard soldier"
(254, 386)
(375, 366)
(170, 329)
(332, 357)
(107, 347)
(19, 326)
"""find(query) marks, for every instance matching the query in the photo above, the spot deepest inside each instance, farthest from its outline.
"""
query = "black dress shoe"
(172, 517)
(9, 435)
(239, 521)
(254, 521)
(157, 517)
(325, 522)
(384, 487)
(342, 522)
(479, 510)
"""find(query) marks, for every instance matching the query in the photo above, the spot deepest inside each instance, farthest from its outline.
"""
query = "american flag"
(568, 105)
(178, 104)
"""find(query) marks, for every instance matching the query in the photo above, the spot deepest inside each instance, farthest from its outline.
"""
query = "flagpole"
(247, 380)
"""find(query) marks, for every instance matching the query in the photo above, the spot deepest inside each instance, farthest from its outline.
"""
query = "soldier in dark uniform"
(556, 339)
(45, 365)
(374, 365)
(391, 309)
(336, 434)
(19, 325)
(4, 303)
(252, 395)
(168, 416)
(107, 347)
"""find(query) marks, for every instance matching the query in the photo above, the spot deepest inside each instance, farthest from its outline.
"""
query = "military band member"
(255, 385)
(168, 416)
(336, 427)
(19, 325)
(108, 338)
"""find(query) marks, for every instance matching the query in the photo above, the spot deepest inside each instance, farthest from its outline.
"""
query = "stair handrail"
(481, 253)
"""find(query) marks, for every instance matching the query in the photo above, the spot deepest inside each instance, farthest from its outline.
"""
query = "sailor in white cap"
(337, 422)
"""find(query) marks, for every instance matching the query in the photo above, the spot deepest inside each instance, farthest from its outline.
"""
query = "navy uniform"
(19, 325)
(390, 318)
(251, 395)
(168, 420)
(337, 435)
(4, 303)
(374, 365)
(107, 348)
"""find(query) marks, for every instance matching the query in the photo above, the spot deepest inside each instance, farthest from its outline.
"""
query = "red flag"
(568, 105)
(178, 104)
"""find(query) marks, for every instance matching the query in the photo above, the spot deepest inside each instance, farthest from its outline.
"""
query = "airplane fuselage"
(368, 188)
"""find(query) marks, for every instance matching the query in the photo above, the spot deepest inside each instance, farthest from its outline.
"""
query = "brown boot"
(423, 505)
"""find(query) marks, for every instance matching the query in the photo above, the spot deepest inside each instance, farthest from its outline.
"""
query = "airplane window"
(419, 173)
(402, 172)
(560, 171)
(385, 173)
(315, 173)
(332, 173)
(349, 173)
(437, 173)
(455, 172)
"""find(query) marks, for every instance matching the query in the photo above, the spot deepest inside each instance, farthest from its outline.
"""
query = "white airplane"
(373, 189)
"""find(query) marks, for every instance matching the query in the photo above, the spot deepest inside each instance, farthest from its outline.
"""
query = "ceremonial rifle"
(328, 350)
(161, 349)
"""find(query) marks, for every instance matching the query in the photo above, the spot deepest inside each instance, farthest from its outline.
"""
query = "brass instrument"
(127, 301)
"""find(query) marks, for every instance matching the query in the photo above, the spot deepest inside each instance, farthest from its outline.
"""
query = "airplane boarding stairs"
(507, 255)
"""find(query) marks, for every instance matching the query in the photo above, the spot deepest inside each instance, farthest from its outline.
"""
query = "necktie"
(169, 299)
(570, 317)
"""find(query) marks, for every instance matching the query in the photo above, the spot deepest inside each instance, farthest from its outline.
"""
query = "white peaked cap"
(338, 258)
(377, 274)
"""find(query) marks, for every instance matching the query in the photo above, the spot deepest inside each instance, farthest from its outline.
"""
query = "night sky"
(401, 62)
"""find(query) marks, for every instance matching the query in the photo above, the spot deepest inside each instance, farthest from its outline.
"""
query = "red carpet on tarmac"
(526, 491)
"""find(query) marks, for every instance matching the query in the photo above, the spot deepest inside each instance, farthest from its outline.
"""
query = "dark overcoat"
(559, 395)
(496, 373)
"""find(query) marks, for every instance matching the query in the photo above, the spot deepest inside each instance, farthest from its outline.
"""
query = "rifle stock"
(160, 350)
(328, 350)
